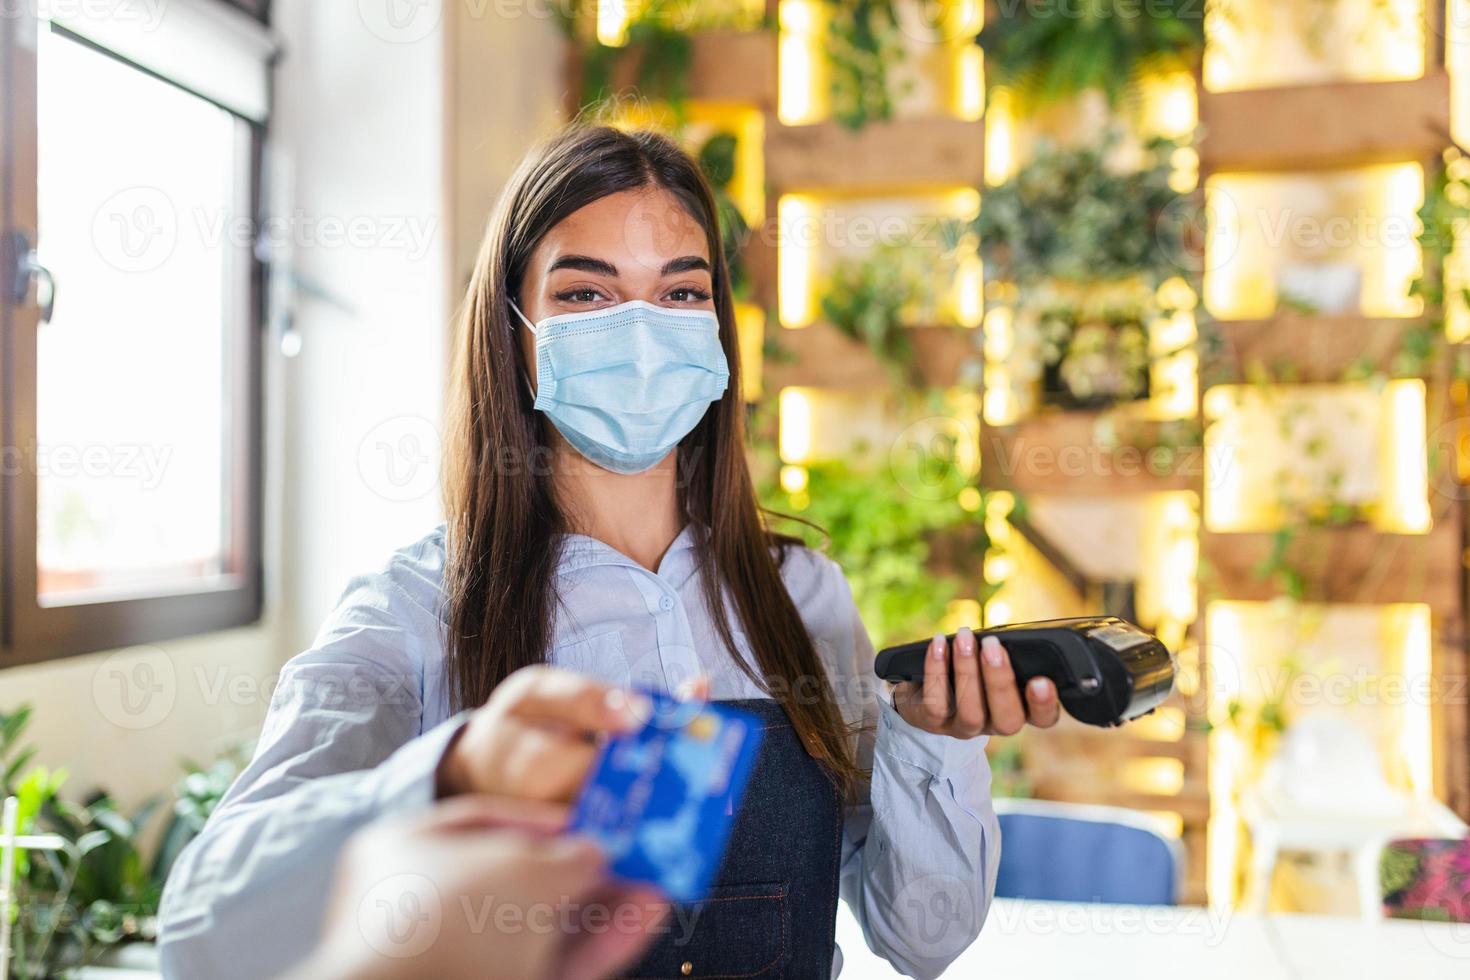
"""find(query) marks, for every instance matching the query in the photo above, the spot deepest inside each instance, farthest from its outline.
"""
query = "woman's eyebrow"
(685, 263)
(585, 263)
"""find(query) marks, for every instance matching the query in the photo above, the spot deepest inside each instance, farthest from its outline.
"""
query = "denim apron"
(773, 911)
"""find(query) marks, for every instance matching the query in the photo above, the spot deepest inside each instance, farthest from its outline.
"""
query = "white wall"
(507, 73)
(360, 133)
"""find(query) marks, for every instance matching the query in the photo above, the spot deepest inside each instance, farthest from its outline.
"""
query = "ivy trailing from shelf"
(1048, 53)
(863, 45)
(876, 298)
(1424, 352)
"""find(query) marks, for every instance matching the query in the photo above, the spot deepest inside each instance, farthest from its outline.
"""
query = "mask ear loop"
(525, 376)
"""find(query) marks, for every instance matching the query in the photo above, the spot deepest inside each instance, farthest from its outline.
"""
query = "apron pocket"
(739, 931)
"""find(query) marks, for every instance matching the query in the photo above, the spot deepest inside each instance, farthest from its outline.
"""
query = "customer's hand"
(479, 888)
(983, 700)
(536, 738)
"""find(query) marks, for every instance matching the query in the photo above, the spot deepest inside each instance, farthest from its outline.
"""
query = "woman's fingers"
(476, 812)
(1003, 700)
(1043, 708)
(936, 702)
(578, 702)
(549, 765)
(969, 695)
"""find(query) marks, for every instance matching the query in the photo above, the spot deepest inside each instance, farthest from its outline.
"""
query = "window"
(130, 409)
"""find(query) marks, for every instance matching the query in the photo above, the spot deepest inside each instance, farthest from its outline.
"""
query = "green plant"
(863, 43)
(661, 57)
(1083, 242)
(1047, 52)
(658, 48)
(98, 890)
(873, 298)
(717, 159)
(1008, 776)
(1084, 214)
(864, 513)
(1444, 222)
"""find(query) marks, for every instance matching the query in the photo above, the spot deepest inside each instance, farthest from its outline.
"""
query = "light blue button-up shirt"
(358, 723)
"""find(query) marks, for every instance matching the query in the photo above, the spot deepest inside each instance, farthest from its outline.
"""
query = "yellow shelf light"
(1165, 724)
(794, 478)
(1362, 218)
(1255, 469)
(1000, 137)
(613, 17)
(794, 436)
(1404, 497)
(801, 83)
(1407, 629)
(1155, 775)
(1263, 43)
(797, 247)
(750, 329)
(1170, 106)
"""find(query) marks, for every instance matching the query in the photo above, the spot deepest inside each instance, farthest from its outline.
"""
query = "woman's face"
(633, 245)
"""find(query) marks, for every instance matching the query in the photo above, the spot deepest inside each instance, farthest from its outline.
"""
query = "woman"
(601, 519)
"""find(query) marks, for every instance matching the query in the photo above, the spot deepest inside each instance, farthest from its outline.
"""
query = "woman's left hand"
(984, 698)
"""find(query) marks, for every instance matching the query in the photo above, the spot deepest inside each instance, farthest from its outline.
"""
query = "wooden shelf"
(1352, 564)
(725, 67)
(1329, 126)
(734, 66)
(1317, 348)
(1057, 452)
(898, 155)
(824, 357)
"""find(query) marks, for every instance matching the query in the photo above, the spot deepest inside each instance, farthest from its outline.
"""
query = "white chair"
(1324, 793)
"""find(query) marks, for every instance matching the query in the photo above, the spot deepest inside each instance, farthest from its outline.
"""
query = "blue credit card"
(662, 800)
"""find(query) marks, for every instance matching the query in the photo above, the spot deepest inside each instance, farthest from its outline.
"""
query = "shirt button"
(666, 603)
(687, 968)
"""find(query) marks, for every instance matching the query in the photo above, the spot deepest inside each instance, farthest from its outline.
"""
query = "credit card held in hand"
(662, 800)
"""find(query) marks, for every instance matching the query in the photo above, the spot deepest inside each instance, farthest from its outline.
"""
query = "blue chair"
(1066, 852)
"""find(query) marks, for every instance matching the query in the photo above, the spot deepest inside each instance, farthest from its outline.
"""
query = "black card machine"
(1107, 671)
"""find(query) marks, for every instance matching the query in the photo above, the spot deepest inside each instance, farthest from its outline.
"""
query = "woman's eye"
(579, 296)
(688, 295)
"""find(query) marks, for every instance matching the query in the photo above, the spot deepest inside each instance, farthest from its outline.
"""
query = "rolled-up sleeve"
(342, 745)
(920, 852)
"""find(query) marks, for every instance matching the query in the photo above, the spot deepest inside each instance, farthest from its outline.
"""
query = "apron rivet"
(687, 968)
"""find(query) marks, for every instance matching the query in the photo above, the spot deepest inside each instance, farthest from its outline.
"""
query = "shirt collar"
(582, 551)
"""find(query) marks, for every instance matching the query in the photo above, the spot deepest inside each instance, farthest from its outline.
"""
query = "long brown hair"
(503, 516)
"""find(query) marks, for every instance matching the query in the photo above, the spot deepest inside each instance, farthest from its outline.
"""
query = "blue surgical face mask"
(624, 384)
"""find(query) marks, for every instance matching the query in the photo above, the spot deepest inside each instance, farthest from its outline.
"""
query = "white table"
(1056, 939)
